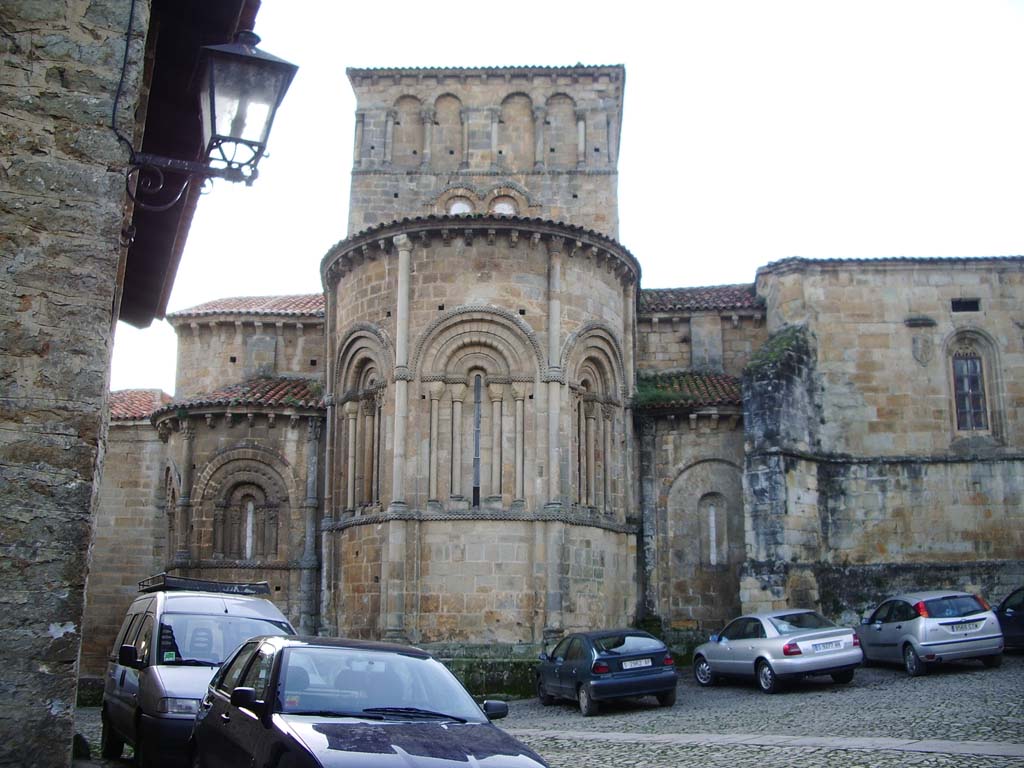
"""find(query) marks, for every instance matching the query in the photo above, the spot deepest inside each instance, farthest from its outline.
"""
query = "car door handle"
(899, 626)
(225, 717)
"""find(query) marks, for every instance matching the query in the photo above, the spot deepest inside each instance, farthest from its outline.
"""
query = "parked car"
(776, 646)
(1010, 614)
(591, 667)
(922, 628)
(307, 702)
(174, 637)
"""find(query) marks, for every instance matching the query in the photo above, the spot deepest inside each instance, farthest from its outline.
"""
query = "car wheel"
(667, 699)
(912, 662)
(992, 661)
(766, 679)
(844, 677)
(145, 756)
(545, 698)
(703, 673)
(587, 705)
(111, 745)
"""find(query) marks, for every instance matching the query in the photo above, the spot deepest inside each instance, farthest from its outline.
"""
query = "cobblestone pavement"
(958, 715)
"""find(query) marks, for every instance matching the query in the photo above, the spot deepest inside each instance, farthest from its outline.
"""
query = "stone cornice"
(579, 242)
(571, 516)
(798, 264)
(358, 76)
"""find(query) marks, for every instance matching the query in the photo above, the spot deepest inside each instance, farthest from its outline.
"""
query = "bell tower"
(539, 142)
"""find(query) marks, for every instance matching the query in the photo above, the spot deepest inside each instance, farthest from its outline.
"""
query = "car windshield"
(790, 623)
(205, 639)
(627, 644)
(953, 607)
(354, 682)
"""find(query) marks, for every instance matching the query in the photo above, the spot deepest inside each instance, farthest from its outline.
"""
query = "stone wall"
(61, 218)
(723, 342)
(129, 536)
(217, 351)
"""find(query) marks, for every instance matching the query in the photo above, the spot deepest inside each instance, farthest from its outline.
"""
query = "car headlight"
(178, 706)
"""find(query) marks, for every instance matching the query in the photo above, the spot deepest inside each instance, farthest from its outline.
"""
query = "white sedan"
(778, 645)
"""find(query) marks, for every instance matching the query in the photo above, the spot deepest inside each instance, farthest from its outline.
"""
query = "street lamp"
(241, 88)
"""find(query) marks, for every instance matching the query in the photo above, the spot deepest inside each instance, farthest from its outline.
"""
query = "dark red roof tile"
(710, 297)
(311, 304)
(258, 393)
(133, 404)
(687, 390)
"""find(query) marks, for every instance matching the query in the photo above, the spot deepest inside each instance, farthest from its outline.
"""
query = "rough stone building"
(485, 433)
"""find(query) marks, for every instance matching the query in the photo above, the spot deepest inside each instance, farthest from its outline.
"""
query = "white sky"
(752, 131)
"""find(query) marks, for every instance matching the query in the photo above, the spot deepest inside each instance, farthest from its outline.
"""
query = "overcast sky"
(752, 131)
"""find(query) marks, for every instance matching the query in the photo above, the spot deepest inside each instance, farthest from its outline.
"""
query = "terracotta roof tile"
(710, 297)
(258, 393)
(311, 304)
(687, 389)
(134, 404)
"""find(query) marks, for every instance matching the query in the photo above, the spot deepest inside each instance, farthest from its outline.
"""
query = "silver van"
(174, 637)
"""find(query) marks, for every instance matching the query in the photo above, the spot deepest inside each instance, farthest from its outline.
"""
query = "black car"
(1011, 619)
(590, 667)
(314, 702)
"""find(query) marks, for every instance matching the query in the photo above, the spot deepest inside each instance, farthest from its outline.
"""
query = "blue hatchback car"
(591, 667)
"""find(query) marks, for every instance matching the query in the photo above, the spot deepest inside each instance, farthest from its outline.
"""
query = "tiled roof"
(688, 389)
(796, 261)
(310, 304)
(132, 404)
(710, 297)
(258, 393)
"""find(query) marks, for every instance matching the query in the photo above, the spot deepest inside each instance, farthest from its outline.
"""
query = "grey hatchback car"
(917, 629)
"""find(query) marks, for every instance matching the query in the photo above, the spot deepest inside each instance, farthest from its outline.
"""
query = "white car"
(778, 645)
(921, 628)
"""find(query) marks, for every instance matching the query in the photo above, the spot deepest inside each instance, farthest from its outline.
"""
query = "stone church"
(484, 432)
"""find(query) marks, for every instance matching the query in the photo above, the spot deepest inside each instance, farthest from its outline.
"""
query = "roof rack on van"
(164, 582)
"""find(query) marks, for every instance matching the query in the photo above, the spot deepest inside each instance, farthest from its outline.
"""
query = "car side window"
(145, 639)
(1015, 601)
(575, 650)
(881, 614)
(233, 673)
(258, 675)
(902, 612)
(733, 630)
(561, 649)
(130, 623)
(756, 629)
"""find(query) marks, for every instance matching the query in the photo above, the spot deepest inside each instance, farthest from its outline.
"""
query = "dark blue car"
(590, 667)
(1011, 619)
(320, 703)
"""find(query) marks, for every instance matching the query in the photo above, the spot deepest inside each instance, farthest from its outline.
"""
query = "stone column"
(389, 136)
(351, 410)
(404, 246)
(309, 562)
(427, 116)
(376, 424)
(591, 424)
(539, 113)
(357, 150)
(555, 245)
(606, 411)
(435, 389)
(218, 530)
(519, 393)
(647, 564)
(393, 597)
(464, 120)
(581, 138)
(458, 395)
(496, 392)
(495, 118)
(182, 514)
(628, 351)
(369, 416)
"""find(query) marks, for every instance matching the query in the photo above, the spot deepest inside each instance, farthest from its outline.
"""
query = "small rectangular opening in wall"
(388, 313)
(966, 305)
(313, 362)
(233, 359)
(597, 149)
(396, 195)
(522, 311)
(440, 307)
(451, 151)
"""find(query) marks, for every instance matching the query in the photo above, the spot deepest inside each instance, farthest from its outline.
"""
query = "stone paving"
(958, 715)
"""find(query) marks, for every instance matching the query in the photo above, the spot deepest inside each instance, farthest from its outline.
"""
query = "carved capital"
(435, 389)
(519, 391)
(403, 243)
(402, 373)
(351, 408)
(458, 392)
(556, 244)
(496, 392)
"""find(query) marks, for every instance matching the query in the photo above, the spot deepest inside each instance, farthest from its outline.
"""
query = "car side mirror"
(714, 638)
(128, 656)
(543, 656)
(495, 710)
(245, 698)
(865, 621)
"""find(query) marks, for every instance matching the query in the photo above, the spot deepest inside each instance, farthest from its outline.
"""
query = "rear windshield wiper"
(415, 712)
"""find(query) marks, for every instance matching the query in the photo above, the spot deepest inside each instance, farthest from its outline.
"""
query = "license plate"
(636, 663)
(970, 626)
(830, 646)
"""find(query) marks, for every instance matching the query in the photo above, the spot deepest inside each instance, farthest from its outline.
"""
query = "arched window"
(714, 542)
(969, 390)
(478, 383)
(504, 206)
(459, 205)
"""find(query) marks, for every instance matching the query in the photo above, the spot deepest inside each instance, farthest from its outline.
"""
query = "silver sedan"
(778, 645)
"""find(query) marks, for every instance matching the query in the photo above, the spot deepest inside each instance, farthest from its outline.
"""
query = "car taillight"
(791, 649)
(600, 668)
(983, 601)
(922, 609)
(856, 640)
(669, 661)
